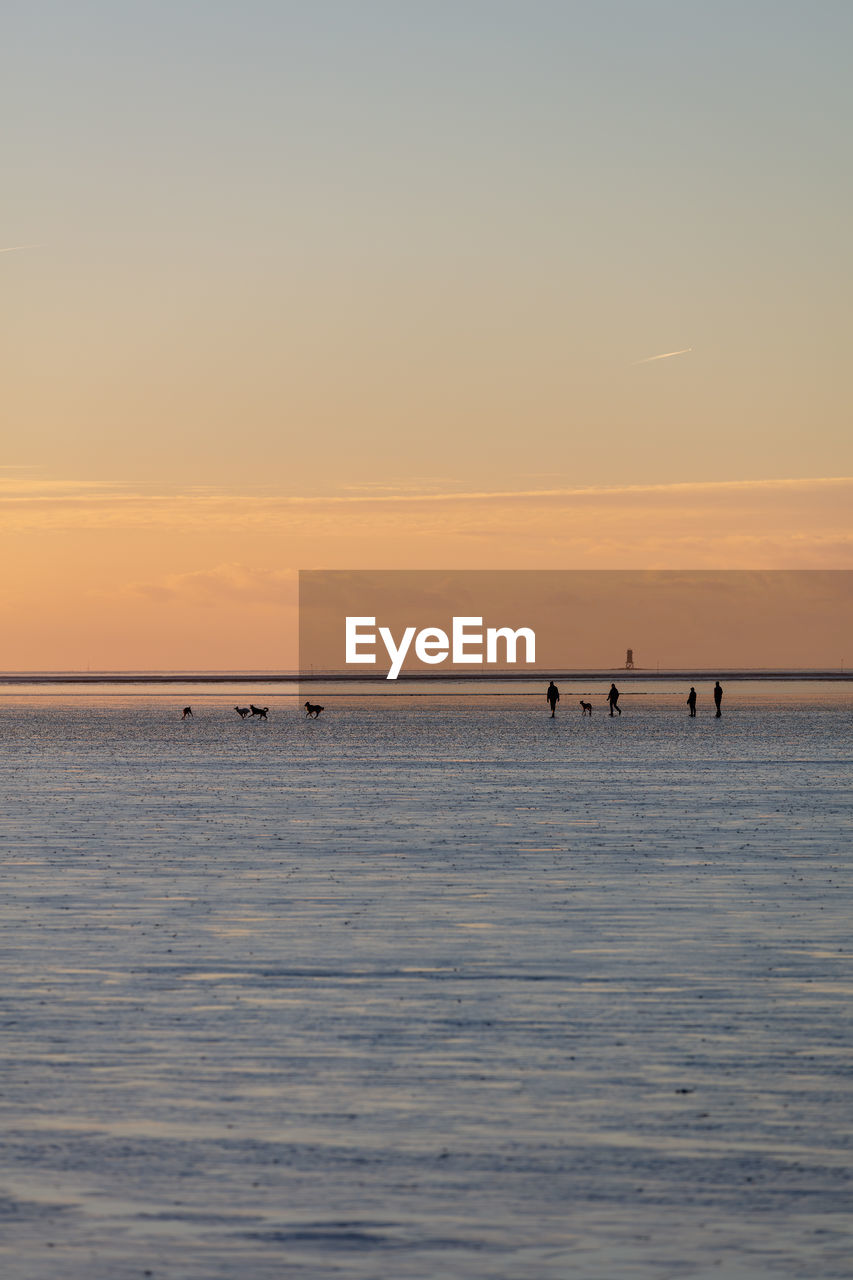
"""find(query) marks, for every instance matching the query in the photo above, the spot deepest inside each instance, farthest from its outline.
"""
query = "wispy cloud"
(665, 355)
(233, 581)
(28, 487)
(13, 248)
(118, 495)
(694, 524)
(412, 485)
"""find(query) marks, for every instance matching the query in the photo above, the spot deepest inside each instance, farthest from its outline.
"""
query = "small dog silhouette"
(187, 712)
(260, 712)
(312, 709)
(586, 708)
(242, 712)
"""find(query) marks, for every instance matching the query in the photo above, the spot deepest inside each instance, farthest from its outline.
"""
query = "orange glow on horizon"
(112, 578)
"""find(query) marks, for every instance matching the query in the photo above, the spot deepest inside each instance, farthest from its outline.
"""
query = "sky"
(387, 622)
(379, 285)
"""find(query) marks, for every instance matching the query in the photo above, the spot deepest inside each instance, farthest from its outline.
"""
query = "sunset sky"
(378, 284)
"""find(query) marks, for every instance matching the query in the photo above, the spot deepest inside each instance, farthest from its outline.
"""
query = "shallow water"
(435, 987)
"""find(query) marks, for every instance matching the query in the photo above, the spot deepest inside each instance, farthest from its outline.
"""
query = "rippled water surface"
(432, 987)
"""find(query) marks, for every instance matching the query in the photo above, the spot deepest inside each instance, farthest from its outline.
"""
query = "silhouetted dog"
(586, 708)
(242, 712)
(312, 710)
(187, 712)
(260, 712)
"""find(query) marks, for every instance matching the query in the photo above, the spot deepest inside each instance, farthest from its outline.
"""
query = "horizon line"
(737, 672)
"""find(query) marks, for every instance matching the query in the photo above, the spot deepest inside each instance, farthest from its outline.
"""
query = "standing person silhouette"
(613, 699)
(718, 698)
(691, 700)
(552, 697)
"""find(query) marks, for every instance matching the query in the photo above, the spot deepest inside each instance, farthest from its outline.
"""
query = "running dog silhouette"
(260, 712)
(312, 710)
(242, 712)
(586, 708)
(186, 712)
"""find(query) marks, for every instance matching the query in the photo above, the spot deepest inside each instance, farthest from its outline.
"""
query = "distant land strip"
(13, 678)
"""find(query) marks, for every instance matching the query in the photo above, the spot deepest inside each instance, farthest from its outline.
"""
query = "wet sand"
(443, 989)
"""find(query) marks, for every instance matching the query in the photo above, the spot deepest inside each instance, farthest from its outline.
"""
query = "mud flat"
(429, 988)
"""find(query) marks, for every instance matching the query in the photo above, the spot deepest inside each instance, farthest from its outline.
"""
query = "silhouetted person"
(718, 698)
(187, 712)
(613, 699)
(691, 700)
(552, 697)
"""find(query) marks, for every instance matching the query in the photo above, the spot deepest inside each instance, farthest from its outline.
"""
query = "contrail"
(666, 355)
(12, 247)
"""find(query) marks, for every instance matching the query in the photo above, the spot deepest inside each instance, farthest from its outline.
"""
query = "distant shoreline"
(453, 677)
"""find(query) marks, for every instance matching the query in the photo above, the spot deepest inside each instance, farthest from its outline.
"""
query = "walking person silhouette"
(613, 699)
(552, 697)
(718, 698)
